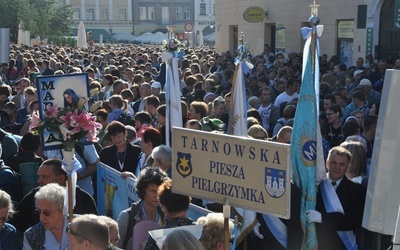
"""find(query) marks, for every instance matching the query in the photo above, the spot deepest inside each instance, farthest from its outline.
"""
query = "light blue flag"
(306, 147)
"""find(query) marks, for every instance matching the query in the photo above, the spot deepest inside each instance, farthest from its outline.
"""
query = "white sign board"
(383, 196)
(251, 174)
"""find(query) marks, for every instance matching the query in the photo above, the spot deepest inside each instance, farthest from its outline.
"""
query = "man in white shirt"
(290, 94)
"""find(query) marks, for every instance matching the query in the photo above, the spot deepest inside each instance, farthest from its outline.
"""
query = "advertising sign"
(254, 14)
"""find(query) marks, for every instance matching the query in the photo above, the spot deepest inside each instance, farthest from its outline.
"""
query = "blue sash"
(277, 228)
(332, 204)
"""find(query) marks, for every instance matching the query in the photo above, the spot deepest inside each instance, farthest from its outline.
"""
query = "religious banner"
(114, 193)
(251, 174)
(60, 91)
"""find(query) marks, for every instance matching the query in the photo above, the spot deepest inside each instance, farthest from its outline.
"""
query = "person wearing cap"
(357, 75)
(156, 88)
(371, 95)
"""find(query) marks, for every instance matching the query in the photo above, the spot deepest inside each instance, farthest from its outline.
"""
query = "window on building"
(179, 14)
(150, 13)
(203, 9)
(76, 14)
(122, 14)
(143, 13)
(104, 15)
(186, 13)
(164, 15)
(90, 14)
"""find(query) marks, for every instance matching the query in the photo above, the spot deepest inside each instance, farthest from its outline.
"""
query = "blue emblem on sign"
(183, 164)
(275, 182)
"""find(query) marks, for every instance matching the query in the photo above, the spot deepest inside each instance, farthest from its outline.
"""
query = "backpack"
(126, 118)
(17, 195)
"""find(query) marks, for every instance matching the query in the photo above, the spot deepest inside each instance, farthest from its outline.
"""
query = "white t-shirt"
(284, 97)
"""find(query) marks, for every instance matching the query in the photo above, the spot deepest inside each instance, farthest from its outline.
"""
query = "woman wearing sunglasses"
(50, 232)
(9, 238)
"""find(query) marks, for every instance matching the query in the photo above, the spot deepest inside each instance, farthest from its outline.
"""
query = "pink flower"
(67, 119)
(86, 123)
(51, 111)
(35, 121)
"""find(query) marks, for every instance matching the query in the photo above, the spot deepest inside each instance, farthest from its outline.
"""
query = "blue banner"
(114, 193)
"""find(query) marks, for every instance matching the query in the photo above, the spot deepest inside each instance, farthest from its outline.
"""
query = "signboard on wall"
(346, 29)
(280, 38)
(254, 14)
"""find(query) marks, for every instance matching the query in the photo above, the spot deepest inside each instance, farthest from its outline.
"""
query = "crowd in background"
(127, 96)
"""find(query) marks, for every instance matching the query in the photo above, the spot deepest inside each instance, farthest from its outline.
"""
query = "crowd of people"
(127, 96)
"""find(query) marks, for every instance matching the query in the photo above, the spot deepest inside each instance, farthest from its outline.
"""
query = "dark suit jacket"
(294, 231)
(26, 216)
(352, 197)
(108, 156)
(48, 72)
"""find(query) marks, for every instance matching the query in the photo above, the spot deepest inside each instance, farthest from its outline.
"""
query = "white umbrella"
(210, 37)
(82, 42)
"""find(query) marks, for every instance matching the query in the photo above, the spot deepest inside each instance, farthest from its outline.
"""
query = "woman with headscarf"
(71, 99)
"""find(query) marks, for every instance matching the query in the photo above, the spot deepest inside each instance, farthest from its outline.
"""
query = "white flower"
(66, 134)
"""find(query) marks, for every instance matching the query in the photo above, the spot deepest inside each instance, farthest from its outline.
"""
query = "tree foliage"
(9, 18)
(46, 18)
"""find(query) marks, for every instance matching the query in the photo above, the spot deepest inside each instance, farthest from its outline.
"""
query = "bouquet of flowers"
(172, 44)
(72, 125)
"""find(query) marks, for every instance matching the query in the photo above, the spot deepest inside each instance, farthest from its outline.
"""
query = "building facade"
(204, 21)
(351, 29)
(134, 17)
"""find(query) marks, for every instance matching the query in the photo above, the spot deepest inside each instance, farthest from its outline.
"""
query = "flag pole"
(70, 197)
(238, 127)
(227, 215)
(313, 21)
